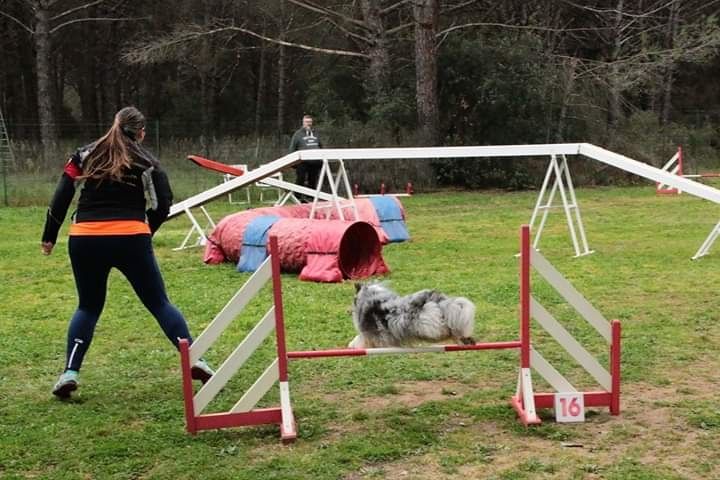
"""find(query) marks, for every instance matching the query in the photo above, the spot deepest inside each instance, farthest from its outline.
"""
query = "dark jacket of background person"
(304, 139)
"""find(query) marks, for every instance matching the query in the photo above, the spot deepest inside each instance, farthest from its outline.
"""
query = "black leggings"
(92, 257)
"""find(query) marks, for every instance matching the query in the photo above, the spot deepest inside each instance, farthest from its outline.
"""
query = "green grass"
(431, 416)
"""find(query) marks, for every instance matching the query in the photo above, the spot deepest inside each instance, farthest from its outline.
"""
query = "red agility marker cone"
(409, 188)
(356, 190)
(382, 188)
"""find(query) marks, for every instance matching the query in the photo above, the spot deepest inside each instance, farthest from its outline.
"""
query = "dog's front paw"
(357, 342)
(467, 341)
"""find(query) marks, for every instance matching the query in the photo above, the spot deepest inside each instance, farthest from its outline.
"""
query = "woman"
(113, 228)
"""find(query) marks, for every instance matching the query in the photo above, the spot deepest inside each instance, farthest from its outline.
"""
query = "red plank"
(215, 166)
(262, 416)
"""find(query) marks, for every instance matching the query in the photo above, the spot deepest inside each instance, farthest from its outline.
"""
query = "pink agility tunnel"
(321, 250)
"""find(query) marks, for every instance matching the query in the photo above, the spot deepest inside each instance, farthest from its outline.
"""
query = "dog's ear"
(358, 287)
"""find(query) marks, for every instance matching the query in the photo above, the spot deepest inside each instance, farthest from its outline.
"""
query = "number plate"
(569, 407)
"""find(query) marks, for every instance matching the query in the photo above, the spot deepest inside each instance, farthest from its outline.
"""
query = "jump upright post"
(525, 401)
(243, 413)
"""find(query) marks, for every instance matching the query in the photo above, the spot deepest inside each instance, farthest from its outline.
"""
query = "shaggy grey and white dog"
(385, 319)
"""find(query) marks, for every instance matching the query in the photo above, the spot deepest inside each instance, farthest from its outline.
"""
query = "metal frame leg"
(195, 228)
(562, 182)
(709, 241)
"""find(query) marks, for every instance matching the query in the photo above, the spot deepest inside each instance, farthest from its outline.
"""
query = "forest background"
(230, 80)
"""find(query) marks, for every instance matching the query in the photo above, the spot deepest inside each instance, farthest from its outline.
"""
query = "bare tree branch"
(297, 45)
(306, 27)
(348, 32)
(394, 30)
(459, 6)
(73, 10)
(624, 13)
(96, 19)
(395, 6)
(25, 27)
(326, 11)
(521, 27)
(158, 49)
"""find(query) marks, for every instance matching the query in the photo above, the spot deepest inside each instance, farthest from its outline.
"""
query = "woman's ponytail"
(110, 157)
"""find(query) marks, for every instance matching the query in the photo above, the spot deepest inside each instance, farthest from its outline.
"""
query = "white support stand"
(279, 194)
(196, 229)
(336, 202)
(227, 177)
(705, 247)
(560, 171)
(524, 390)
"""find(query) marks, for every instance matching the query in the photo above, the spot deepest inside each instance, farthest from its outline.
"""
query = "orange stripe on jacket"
(110, 227)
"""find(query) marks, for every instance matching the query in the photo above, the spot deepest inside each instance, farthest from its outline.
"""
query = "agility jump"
(525, 401)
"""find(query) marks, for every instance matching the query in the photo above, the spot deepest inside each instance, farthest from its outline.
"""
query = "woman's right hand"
(47, 247)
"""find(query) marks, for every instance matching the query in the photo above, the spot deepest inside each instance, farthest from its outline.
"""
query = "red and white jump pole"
(525, 401)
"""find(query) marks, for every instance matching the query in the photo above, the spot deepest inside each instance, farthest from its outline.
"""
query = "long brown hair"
(110, 158)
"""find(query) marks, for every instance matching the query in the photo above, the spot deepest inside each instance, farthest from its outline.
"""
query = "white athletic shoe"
(66, 384)
(201, 371)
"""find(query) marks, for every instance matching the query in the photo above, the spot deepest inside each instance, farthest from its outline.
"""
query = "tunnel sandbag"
(392, 217)
(253, 250)
(341, 250)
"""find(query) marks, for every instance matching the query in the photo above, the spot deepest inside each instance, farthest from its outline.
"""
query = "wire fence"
(29, 179)
(32, 175)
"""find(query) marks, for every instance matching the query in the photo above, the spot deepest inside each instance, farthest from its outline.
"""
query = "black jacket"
(304, 139)
(143, 194)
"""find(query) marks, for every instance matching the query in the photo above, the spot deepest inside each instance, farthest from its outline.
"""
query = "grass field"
(415, 417)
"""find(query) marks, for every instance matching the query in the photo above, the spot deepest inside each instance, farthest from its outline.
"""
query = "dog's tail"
(459, 313)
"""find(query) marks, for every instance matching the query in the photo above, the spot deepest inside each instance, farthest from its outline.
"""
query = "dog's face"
(368, 291)
(368, 294)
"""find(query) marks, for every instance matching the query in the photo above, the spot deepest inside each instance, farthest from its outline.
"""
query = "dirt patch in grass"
(491, 450)
(652, 431)
(414, 394)
(408, 394)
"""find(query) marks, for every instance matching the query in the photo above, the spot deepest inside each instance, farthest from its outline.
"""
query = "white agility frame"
(563, 182)
(337, 203)
(196, 230)
(542, 150)
(709, 240)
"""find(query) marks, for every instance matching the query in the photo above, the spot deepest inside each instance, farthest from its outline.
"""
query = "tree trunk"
(379, 68)
(668, 80)
(614, 107)
(260, 97)
(48, 128)
(567, 95)
(281, 66)
(281, 93)
(88, 87)
(205, 80)
(426, 22)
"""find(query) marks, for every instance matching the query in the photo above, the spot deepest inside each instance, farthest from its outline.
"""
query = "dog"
(383, 318)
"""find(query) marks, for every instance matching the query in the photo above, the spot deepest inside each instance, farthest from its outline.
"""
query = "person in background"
(307, 172)
(125, 198)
